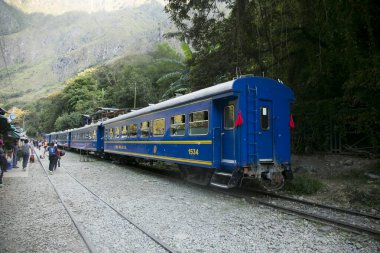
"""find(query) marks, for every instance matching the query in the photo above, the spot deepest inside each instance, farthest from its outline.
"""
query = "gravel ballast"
(188, 218)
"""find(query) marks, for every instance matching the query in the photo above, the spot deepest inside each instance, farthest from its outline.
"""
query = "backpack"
(52, 151)
(62, 153)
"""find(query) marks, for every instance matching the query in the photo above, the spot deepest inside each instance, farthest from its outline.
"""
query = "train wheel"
(275, 181)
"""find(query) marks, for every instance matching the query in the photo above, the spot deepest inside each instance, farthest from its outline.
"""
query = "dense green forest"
(326, 51)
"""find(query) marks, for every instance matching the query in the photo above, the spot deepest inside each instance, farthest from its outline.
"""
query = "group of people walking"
(24, 149)
(10, 157)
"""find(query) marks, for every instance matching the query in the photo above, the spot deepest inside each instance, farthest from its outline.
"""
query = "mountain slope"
(40, 51)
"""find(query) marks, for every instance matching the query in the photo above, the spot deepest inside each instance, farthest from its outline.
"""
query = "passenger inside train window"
(124, 133)
(198, 123)
(177, 125)
(132, 130)
(116, 132)
(145, 129)
(159, 127)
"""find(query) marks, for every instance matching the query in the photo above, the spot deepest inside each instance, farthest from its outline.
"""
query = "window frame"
(159, 135)
(208, 124)
(126, 131)
(171, 124)
(267, 116)
(129, 130)
(116, 132)
(233, 118)
(141, 129)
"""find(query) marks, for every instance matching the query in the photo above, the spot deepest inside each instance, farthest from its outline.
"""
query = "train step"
(225, 180)
(224, 186)
(224, 174)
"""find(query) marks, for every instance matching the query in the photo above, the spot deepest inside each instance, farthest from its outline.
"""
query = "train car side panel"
(185, 137)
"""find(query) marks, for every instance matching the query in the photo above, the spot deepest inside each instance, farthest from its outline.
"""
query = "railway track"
(82, 231)
(349, 220)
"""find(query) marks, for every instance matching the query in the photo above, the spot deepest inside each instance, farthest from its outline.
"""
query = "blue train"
(219, 135)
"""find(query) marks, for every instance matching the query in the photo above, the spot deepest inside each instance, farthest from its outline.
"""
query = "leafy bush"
(304, 185)
(368, 197)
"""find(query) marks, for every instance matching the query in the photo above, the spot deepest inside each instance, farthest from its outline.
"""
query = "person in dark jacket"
(15, 152)
(26, 153)
(53, 158)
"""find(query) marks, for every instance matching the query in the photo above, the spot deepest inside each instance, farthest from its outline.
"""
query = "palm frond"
(170, 77)
(186, 51)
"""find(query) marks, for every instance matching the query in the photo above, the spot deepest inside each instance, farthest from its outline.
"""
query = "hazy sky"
(57, 7)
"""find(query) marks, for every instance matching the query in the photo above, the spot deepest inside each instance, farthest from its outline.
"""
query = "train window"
(177, 125)
(116, 132)
(124, 132)
(198, 123)
(158, 127)
(94, 134)
(132, 128)
(264, 118)
(111, 133)
(145, 130)
(107, 134)
(229, 116)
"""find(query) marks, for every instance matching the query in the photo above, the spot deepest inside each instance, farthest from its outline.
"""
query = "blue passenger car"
(88, 138)
(49, 137)
(63, 138)
(223, 134)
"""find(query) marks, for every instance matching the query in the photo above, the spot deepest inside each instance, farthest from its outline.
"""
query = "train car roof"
(85, 127)
(196, 95)
(193, 96)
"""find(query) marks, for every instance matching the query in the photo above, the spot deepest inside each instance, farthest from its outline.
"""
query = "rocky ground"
(188, 218)
(348, 181)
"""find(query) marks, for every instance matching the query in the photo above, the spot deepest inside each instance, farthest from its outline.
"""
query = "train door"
(227, 109)
(265, 131)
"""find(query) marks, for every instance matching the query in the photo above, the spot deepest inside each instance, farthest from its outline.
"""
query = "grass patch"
(304, 185)
(368, 197)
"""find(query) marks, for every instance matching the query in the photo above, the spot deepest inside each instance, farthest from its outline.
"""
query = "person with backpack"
(53, 158)
(26, 153)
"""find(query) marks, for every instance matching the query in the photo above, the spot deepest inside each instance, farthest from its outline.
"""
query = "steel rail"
(306, 202)
(314, 217)
(309, 216)
(139, 227)
(80, 230)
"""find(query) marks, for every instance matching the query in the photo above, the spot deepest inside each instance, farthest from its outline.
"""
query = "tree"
(20, 115)
(176, 81)
(327, 51)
